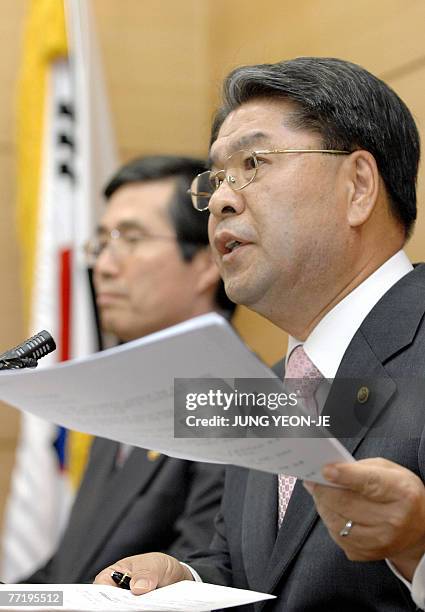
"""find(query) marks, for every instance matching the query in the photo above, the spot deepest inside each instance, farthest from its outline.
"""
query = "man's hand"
(386, 504)
(147, 572)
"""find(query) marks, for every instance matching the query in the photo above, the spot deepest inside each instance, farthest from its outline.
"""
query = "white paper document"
(183, 596)
(127, 394)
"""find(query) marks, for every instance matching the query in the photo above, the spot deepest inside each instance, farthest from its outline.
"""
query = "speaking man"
(152, 269)
(311, 196)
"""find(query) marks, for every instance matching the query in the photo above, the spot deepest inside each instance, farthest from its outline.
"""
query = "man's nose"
(225, 201)
(106, 263)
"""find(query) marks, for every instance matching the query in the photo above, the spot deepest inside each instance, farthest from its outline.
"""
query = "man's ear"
(364, 186)
(207, 273)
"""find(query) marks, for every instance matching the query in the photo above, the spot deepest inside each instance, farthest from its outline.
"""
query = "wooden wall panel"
(410, 85)
(265, 339)
(11, 324)
(10, 39)
(10, 423)
(6, 461)
(155, 54)
(382, 35)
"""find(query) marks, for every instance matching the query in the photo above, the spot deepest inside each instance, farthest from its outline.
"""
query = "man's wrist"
(407, 561)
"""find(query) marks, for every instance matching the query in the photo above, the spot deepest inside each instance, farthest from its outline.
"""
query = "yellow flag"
(44, 41)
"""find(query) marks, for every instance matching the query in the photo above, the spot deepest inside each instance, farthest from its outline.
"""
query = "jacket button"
(153, 455)
(363, 395)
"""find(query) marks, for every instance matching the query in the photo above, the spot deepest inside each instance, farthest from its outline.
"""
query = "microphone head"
(34, 348)
(37, 346)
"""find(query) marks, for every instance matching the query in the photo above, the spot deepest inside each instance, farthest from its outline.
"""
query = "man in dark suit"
(311, 199)
(152, 269)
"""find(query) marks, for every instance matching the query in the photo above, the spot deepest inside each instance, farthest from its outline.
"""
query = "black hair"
(348, 107)
(191, 226)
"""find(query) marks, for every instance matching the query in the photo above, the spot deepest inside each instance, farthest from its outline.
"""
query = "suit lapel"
(299, 519)
(388, 329)
(350, 414)
(259, 525)
(124, 484)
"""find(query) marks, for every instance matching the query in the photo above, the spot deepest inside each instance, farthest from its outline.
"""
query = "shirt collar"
(329, 340)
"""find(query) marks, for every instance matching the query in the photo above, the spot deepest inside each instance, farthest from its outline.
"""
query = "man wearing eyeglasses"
(152, 269)
(311, 198)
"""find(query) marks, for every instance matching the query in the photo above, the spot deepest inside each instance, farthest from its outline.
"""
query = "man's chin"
(122, 335)
(113, 324)
(116, 327)
(241, 293)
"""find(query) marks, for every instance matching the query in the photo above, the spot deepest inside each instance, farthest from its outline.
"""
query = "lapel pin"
(363, 395)
(153, 455)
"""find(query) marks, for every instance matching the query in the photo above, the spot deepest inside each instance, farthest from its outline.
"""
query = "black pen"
(121, 580)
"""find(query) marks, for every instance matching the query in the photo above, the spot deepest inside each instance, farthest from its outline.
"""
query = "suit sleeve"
(195, 526)
(417, 586)
(214, 564)
(418, 581)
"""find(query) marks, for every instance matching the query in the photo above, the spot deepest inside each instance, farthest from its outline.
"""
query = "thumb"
(155, 570)
(143, 581)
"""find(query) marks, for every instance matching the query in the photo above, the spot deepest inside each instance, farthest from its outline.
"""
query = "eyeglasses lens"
(240, 169)
(202, 189)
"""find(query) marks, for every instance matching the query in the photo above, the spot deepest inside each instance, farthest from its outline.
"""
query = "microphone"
(27, 354)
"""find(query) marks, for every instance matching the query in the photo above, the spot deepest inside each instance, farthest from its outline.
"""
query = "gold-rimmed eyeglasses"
(240, 169)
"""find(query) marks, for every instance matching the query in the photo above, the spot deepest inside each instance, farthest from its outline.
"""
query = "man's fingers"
(375, 479)
(147, 572)
(348, 504)
(155, 570)
(363, 542)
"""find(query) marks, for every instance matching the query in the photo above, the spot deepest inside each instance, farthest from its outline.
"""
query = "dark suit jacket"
(147, 505)
(301, 564)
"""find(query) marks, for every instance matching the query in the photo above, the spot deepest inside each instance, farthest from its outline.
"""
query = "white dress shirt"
(418, 585)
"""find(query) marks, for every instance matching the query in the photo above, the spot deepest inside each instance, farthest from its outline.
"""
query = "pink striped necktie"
(301, 367)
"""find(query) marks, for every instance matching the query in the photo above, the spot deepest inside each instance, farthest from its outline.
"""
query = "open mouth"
(226, 243)
(232, 245)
